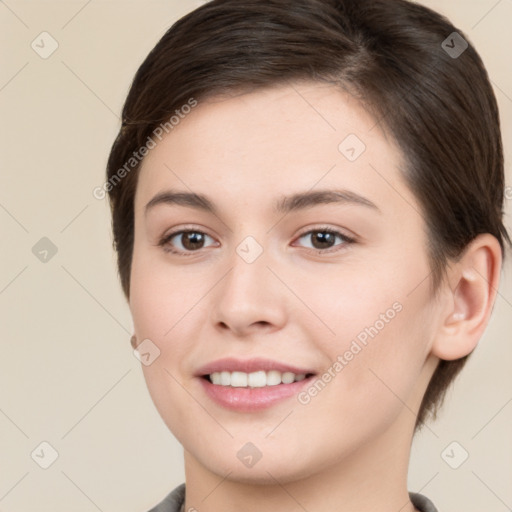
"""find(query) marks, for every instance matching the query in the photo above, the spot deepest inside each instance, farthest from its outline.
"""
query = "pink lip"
(252, 399)
(230, 364)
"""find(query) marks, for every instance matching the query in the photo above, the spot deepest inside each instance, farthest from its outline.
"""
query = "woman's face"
(305, 260)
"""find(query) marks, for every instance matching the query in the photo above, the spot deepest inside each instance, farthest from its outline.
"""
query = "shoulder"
(422, 503)
(172, 502)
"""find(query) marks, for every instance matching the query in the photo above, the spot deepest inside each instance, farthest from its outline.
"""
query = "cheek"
(164, 307)
(158, 295)
(380, 342)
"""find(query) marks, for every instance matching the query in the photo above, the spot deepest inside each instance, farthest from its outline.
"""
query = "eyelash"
(164, 242)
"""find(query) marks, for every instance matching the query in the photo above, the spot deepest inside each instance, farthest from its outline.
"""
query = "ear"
(472, 285)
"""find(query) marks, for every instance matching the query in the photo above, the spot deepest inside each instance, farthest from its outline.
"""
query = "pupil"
(192, 240)
(323, 238)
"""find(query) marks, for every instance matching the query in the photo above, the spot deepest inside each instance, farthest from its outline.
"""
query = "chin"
(269, 470)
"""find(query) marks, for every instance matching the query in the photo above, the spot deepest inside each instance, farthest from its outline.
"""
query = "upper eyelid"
(338, 231)
(185, 229)
(306, 231)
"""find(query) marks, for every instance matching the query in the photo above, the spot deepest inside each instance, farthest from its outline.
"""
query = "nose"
(250, 299)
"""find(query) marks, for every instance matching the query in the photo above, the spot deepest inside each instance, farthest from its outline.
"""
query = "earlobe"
(473, 283)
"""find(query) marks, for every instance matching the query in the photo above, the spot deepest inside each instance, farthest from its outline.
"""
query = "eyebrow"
(285, 204)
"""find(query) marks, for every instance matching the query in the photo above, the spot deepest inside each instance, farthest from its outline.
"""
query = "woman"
(307, 210)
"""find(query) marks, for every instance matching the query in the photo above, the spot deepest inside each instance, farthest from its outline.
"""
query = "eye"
(323, 239)
(187, 242)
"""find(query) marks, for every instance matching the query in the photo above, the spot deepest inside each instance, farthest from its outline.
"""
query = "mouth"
(252, 385)
(250, 392)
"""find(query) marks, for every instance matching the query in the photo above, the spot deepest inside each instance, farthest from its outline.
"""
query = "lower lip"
(252, 399)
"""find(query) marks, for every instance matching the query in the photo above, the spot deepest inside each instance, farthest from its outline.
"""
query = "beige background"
(67, 372)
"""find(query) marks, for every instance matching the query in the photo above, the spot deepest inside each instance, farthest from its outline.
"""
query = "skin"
(349, 447)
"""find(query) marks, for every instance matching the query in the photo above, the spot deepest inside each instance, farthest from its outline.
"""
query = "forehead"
(282, 138)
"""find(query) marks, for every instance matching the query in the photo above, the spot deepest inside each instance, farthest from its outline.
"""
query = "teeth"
(257, 379)
(239, 380)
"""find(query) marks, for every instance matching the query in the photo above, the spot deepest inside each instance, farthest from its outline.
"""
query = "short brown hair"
(438, 106)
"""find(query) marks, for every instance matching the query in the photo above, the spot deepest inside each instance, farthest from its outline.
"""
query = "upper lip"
(230, 364)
